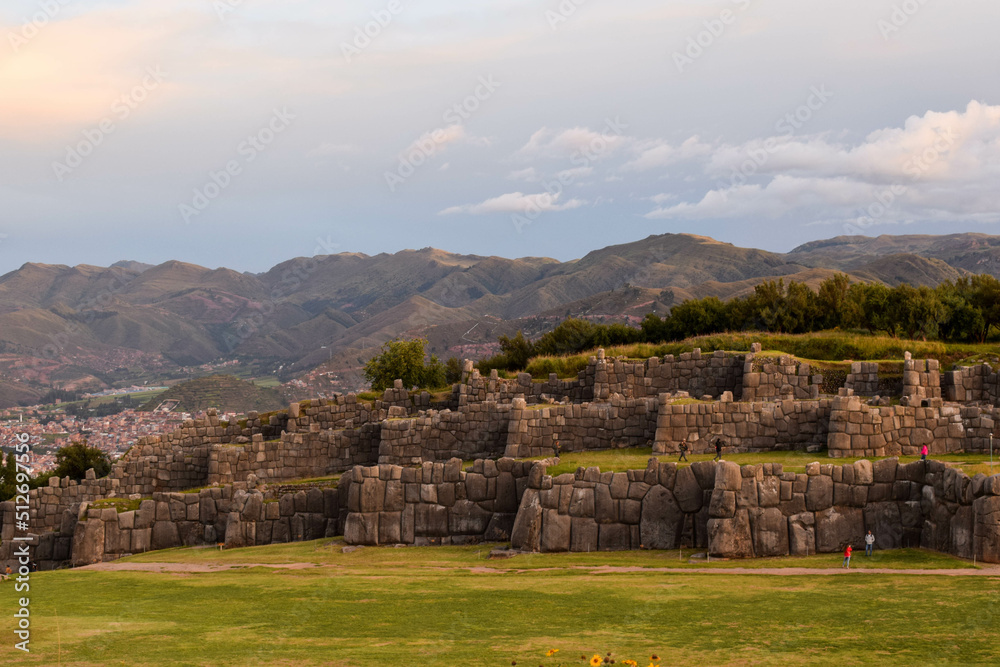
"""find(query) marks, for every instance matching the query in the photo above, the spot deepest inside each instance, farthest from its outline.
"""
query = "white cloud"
(661, 154)
(939, 166)
(528, 174)
(574, 142)
(516, 202)
(436, 140)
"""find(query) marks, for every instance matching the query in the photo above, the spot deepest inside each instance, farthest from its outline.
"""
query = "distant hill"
(225, 392)
(62, 324)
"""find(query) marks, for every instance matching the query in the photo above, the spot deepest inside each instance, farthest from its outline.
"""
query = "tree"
(404, 360)
(8, 478)
(453, 370)
(830, 300)
(74, 460)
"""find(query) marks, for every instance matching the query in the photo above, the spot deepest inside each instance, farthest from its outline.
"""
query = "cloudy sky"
(241, 133)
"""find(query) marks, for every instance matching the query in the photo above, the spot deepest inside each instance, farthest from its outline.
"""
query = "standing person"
(718, 449)
(923, 453)
(847, 557)
(684, 450)
(869, 543)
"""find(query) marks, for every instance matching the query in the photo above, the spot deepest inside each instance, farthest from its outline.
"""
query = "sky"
(242, 133)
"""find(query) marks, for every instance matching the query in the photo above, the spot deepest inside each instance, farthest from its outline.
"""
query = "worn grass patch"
(636, 458)
(430, 606)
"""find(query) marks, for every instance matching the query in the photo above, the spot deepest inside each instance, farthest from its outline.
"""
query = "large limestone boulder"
(583, 535)
(885, 522)
(88, 542)
(688, 491)
(802, 534)
(987, 530)
(527, 532)
(361, 528)
(819, 493)
(555, 531)
(730, 538)
(660, 520)
(769, 530)
(165, 535)
(836, 527)
(614, 537)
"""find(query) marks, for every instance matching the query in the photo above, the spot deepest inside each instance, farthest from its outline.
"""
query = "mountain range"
(89, 326)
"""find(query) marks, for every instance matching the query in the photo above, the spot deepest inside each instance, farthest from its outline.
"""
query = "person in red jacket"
(847, 557)
(923, 453)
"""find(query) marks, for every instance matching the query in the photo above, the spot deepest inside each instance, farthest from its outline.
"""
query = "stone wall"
(863, 378)
(697, 374)
(662, 507)
(761, 511)
(621, 422)
(475, 430)
(296, 455)
(922, 378)
(744, 427)
(235, 515)
(782, 377)
(857, 429)
(979, 384)
(438, 503)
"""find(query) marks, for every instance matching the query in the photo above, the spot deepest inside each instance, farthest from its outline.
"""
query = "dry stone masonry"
(402, 480)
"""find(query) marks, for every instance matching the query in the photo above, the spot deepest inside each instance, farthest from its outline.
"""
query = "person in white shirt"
(869, 543)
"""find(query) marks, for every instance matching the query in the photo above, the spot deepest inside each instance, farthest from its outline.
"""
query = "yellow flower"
(595, 661)
(551, 652)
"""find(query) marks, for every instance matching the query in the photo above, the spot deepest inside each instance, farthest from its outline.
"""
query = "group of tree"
(72, 461)
(407, 360)
(966, 310)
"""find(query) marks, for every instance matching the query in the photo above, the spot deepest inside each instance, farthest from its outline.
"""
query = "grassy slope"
(825, 346)
(636, 458)
(427, 607)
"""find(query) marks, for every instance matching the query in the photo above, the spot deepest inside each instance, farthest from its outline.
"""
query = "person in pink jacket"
(923, 453)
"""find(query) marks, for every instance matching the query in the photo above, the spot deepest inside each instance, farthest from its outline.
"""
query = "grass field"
(636, 458)
(822, 348)
(440, 606)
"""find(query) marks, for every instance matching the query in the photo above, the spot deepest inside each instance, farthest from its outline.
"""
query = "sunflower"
(551, 652)
(595, 661)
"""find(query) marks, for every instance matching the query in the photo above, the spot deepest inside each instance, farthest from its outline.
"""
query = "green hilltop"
(225, 392)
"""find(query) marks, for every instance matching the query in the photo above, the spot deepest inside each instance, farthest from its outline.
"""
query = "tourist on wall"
(684, 450)
(923, 453)
(718, 449)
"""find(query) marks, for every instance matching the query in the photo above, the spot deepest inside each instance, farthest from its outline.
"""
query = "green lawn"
(636, 458)
(430, 606)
